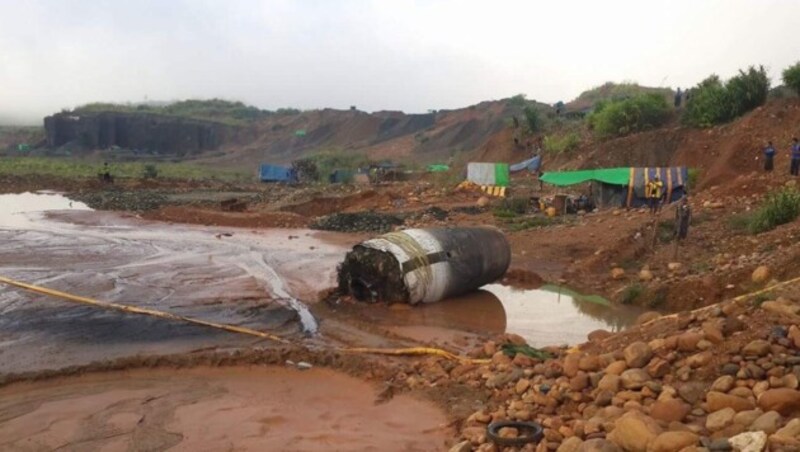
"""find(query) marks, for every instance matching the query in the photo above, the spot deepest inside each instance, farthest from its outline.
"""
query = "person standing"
(683, 217)
(678, 98)
(769, 157)
(795, 168)
(654, 189)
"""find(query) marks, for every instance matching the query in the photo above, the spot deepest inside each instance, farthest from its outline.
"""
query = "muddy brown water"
(239, 277)
(258, 279)
(544, 316)
(256, 408)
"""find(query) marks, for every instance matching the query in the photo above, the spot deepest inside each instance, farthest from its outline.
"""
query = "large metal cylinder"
(424, 265)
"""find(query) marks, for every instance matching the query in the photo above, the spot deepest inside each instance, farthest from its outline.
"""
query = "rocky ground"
(721, 378)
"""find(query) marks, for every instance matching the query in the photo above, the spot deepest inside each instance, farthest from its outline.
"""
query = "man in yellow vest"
(654, 192)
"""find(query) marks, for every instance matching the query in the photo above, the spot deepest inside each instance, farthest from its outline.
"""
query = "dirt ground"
(700, 333)
(244, 408)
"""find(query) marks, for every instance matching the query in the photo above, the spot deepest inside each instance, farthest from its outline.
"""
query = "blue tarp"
(275, 173)
(531, 165)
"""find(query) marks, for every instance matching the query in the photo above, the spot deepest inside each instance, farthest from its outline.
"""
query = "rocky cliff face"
(154, 133)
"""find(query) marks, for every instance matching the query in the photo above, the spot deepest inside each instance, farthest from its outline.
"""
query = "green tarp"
(501, 174)
(614, 176)
(438, 168)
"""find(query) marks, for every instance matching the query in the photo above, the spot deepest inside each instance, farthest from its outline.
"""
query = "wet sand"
(257, 408)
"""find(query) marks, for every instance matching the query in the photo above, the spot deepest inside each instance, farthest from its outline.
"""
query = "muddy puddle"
(257, 279)
(548, 315)
(256, 408)
(234, 276)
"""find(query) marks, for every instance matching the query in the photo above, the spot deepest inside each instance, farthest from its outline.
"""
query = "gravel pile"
(358, 222)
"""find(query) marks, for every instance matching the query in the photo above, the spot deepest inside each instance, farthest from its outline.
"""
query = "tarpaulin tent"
(614, 176)
(531, 165)
(488, 173)
(276, 173)
(623, 186)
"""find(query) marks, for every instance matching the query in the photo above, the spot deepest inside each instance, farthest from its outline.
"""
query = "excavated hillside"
(720, 153)
(429, 137)
(280, 137)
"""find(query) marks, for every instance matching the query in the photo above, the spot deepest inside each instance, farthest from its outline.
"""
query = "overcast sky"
(390, 54)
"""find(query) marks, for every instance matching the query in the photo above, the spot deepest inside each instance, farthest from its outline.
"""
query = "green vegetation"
(610, 92)
(517, 101)
(713, 102)
(666, 231)
(740, 222)
(519, 205)
(632, 293)
(557, 144)
(594, 299)
(532, 118)
(533, 223)
(149, 171)
(779, 208)
(318, 167)
(635, 114)
(759, 299)
(791, 77)
(77, 169)
(217, 110)
(657, 300)
(511, 350)
(692, 177)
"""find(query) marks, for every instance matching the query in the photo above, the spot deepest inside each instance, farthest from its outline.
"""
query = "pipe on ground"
(424, 265)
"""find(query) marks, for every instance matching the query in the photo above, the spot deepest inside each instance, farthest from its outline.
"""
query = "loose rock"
(749, 442)
(783, 400)
(720, 419)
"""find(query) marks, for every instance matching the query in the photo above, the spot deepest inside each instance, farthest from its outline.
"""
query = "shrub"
(713, 102)
(635, 114)
(558, 144)
(791, 77)
(779, 208)
(518, 205)
(517, 101)
(693, 174)
(632, 293)
(149, 171)
(532, 119)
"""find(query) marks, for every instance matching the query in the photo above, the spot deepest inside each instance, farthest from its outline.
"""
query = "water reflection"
(477, 312)
(553, 316)
(14, 208)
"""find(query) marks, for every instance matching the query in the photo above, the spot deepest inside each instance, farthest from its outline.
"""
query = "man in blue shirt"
(795, 169)
(769, 157)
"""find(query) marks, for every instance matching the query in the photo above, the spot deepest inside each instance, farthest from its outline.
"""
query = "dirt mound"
(326, 205)
(207, 217)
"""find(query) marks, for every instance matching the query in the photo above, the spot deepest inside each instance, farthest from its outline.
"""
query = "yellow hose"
(231, 328)
(138, 310)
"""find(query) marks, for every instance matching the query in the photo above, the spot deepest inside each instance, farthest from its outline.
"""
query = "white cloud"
(410, 55)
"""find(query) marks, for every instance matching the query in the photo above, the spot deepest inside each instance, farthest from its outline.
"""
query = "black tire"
(530, 432)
